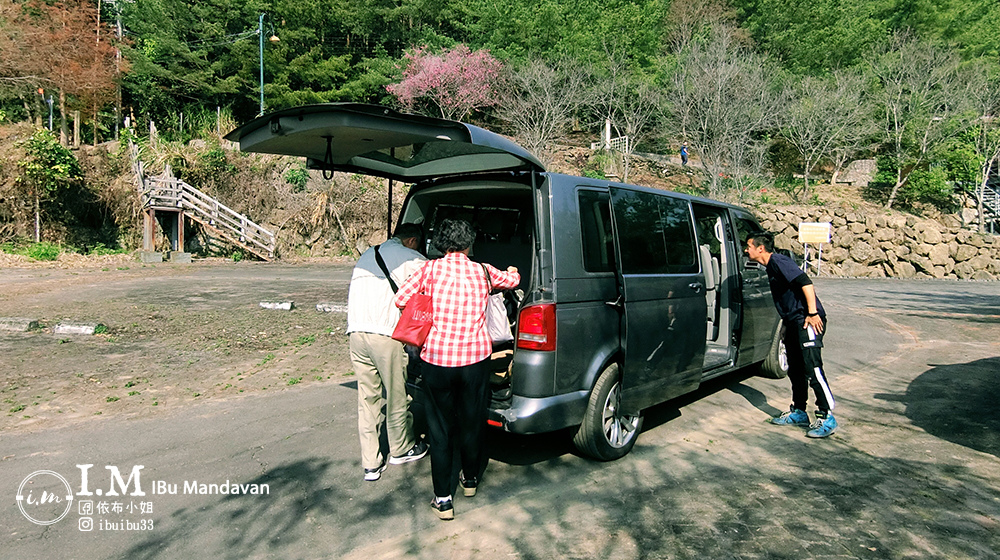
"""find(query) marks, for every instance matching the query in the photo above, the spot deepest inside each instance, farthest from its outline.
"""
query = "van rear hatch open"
(375, 140)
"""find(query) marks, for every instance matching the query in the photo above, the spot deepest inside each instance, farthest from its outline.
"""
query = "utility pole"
(260, 35)
(274, 39)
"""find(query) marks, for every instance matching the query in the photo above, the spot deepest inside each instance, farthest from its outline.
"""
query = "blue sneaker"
(794, 417)
(823, 426)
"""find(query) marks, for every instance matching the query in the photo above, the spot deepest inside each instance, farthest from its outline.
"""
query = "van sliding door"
(663, 297)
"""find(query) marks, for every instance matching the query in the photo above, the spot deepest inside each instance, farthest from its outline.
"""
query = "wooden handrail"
(168, 192)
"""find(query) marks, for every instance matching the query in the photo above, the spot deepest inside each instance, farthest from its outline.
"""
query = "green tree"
(923, 98)
(553, 30)
(193, 53)
(814, 37)
(47, 169)
(984, 136)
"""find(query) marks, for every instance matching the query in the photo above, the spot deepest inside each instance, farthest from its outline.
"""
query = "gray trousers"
(380, 363)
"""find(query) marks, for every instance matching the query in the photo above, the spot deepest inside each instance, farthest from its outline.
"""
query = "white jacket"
(369, 300)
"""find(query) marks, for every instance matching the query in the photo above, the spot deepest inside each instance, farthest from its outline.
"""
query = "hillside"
(313, 217)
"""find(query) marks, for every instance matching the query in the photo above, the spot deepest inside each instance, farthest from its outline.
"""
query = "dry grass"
(69, 260)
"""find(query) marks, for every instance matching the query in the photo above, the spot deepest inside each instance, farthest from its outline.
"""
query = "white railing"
(991, 206)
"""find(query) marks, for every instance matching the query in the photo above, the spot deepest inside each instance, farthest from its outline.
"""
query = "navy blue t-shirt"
(787, 279)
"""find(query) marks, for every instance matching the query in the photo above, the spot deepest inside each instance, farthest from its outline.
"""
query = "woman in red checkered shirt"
(456, 352)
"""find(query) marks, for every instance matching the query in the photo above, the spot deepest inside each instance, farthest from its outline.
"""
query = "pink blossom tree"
(457, 81)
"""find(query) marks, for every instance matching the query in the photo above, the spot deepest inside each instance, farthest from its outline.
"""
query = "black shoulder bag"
(381, 264)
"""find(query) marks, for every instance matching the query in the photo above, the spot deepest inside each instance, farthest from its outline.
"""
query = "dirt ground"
(174, 334)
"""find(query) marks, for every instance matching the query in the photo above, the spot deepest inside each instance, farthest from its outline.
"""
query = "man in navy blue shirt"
(805, 320)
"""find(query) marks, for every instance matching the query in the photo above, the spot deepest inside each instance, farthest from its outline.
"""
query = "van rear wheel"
(606, 434)
(775, 365)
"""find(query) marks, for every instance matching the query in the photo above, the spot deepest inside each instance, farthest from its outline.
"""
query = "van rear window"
(597, 236)
(495, 226)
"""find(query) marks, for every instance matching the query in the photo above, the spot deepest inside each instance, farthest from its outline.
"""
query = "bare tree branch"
(827, 116)
(724, 99)
(540, 101)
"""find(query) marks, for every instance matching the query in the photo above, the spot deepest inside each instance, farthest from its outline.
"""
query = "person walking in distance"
(805, 322)
(684, 154)
(378, 361)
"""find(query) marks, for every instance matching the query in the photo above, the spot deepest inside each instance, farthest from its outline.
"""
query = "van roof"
(605, 183)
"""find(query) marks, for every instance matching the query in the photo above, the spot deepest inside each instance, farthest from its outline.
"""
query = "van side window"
(595, 221)
(678, 235)
(656, 234)
(745, 225)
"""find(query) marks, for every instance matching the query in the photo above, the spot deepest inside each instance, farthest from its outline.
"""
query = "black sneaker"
(418, 450)
(444, 508)
(371, 475)
(469, 485)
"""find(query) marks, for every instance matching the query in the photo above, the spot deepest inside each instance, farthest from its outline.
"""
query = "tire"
(605, 433)
(775, 365)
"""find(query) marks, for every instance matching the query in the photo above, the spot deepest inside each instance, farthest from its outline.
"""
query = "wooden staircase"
(169, 194)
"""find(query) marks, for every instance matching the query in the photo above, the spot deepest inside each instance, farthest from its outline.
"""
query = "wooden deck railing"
(170, 193)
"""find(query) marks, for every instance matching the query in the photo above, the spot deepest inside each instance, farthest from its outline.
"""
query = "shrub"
(47, 171)
(596, 165)
(923, 186)
(297, 177)
(102, 249)
(790, 185)
(928, 186)
(880, 186)
(215, 162)
(43, 251)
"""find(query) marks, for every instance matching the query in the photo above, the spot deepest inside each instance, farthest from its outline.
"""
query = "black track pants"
(805, 366)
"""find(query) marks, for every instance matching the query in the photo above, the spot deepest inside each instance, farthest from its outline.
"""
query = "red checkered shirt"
(457, 285)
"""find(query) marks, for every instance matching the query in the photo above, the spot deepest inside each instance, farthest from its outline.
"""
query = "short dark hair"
(406, 231)
(451, 236)
(763, 239)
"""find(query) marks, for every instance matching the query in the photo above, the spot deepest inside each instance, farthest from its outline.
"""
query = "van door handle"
(617, 304)
(696, 286)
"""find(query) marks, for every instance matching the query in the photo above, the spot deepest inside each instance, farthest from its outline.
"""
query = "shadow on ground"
(956, 402)
(795, 500)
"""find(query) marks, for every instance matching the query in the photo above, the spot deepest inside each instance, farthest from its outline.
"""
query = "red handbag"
(416, 320)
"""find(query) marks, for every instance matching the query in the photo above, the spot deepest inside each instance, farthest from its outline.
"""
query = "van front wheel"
(606, 433)
(775, 365)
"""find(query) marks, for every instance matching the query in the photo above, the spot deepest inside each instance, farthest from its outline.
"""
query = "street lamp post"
(274, 39)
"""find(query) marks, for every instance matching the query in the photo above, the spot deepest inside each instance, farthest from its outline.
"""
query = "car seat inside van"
(629, 296)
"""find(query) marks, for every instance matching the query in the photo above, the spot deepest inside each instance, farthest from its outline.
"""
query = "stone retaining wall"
(879, 243)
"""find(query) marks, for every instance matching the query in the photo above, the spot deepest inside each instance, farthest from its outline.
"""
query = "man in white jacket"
(378, 360)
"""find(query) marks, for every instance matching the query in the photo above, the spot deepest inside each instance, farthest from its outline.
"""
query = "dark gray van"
(629, 296)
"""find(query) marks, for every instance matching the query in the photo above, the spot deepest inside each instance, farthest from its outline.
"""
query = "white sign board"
(814, 232)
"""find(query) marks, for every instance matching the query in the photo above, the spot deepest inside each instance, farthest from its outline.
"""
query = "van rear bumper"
(538, 415)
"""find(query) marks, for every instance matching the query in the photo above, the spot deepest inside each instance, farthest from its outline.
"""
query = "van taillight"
(536, 328)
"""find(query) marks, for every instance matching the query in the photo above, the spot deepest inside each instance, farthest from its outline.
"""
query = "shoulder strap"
(489, 281)
(381, 264)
